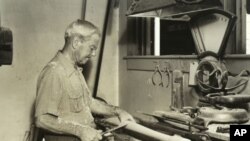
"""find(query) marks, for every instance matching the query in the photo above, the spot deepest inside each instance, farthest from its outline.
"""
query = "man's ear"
(75, 43)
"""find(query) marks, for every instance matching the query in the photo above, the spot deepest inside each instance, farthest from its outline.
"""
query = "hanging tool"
(159, 72)
(166, 71)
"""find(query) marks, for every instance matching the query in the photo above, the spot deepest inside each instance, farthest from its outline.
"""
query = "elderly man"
(64, 104)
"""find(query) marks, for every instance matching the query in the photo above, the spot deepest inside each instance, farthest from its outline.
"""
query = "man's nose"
(93, 53)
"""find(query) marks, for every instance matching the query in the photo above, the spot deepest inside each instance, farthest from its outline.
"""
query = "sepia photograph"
(124, 70)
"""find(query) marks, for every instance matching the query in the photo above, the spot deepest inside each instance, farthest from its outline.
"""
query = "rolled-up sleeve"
(49, 92)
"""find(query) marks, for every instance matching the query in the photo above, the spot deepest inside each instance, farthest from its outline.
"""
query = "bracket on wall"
(177, 100)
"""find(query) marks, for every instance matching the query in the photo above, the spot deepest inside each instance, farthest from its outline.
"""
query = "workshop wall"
(38, 28)
(137, 93)
(109, 80)
(149, 90)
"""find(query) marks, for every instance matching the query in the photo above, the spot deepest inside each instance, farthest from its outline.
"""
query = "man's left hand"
(125, 116)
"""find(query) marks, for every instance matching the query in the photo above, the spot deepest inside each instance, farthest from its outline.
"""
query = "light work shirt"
(62, 91)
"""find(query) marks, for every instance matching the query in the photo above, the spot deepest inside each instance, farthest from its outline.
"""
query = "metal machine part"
(141, 6)
(222, 106)
(213, 115)
(211, 30)
(175, 123)
(228, 100)
(179, 119)
(168, 129)
(170, 8)
(211, 75)
(223, 129)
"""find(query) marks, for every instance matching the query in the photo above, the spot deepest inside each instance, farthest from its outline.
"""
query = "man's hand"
(124, 116)
(91, 134)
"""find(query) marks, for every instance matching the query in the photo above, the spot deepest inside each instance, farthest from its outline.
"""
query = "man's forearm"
(102, 108)
(98, 107)
(60, 126)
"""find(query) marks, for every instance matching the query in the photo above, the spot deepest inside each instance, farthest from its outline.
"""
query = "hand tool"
(123, 124)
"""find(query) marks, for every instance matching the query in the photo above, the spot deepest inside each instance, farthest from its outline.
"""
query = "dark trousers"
(68, 138)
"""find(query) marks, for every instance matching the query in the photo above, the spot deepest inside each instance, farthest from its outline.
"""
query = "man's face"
(86, 49)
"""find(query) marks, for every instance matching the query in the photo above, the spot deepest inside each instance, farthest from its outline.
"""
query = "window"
(154, 36)
(248, 33)
(176, 38)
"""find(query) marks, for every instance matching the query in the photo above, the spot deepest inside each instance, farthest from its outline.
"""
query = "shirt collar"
(67, 64)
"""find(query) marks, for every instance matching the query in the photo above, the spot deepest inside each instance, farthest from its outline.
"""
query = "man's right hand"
(91, 134)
